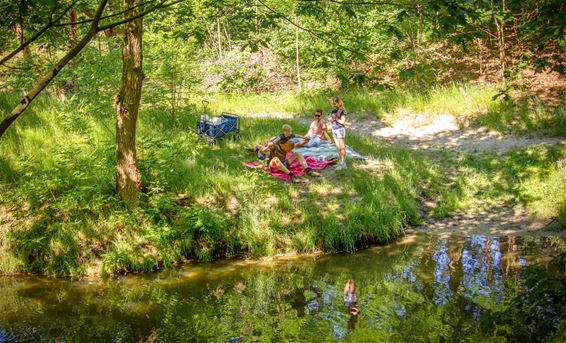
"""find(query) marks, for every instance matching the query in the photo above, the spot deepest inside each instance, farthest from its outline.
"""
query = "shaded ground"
(442, 132)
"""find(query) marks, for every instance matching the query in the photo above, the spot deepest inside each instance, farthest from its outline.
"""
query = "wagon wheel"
(210, 140)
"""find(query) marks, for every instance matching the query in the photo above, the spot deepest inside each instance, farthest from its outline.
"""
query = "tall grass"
(454, 99)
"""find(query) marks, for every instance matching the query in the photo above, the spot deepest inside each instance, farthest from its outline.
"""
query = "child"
(351, 298)
(338, 120)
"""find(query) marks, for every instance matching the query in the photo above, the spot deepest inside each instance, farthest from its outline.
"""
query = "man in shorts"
(278, 149)
(317, 131)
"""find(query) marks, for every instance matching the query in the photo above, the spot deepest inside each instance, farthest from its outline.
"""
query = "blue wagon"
(217, 127)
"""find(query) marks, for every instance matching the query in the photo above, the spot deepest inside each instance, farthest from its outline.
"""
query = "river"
(421, 288)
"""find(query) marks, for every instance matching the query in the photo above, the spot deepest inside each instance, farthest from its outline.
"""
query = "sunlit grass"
(470, 104)
(455, 99)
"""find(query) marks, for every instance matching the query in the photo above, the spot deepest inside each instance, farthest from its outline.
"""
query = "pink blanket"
(295, 167)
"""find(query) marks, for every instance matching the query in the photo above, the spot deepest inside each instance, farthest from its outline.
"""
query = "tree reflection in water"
(431, 289)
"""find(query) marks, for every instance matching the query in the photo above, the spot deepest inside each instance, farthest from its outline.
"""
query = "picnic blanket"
(327, 151)
(295, 167)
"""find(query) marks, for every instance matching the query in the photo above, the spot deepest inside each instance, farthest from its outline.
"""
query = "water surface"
(422, 288)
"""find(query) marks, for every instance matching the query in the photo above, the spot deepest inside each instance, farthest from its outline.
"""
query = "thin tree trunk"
(500, 25)
(219, 34)
(39, 86)
(127, 104)
(299, 85)
(227, 32)
(19, 32)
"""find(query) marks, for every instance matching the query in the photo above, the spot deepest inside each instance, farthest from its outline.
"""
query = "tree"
(95, 27)
(41, 84)
(127, 106)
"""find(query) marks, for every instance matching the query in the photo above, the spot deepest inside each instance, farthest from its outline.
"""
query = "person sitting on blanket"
(262, 150)
(317, 131)
(278, 149)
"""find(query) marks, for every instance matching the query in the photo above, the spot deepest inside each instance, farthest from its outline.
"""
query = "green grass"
(524, 117)
(200, 202)
(534, 177)
(470, 104)
(456, 99)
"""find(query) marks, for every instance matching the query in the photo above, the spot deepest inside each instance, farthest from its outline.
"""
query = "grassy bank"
(60, 216)
(534, 177)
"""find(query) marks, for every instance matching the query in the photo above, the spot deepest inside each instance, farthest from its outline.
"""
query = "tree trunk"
(127, 104)
(219, 35)
(500, 25)
(19, 32)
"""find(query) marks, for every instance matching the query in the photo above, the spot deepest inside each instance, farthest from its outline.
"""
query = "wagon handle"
(205, 104)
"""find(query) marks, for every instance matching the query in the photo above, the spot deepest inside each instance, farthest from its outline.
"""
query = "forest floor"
(432, 134)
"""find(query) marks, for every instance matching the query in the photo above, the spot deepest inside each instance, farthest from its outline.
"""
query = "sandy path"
(443, 132)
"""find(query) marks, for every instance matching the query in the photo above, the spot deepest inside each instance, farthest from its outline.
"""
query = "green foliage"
(536, 298)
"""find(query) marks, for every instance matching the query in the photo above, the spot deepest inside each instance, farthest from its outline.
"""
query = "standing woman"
(338, 120)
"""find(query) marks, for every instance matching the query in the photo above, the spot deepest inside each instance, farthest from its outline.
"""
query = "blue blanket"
(327, 151)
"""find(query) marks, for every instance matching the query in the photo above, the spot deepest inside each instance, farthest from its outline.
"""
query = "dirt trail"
(421, 132)
(442, 132)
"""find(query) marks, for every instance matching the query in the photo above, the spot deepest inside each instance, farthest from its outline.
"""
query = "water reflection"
(430, 288)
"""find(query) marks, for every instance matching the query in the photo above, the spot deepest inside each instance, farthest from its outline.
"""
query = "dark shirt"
(277, 150)
(336, 125)
(282, 139)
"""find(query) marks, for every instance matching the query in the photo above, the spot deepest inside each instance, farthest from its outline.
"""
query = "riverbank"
(60, 217)
(199, 202)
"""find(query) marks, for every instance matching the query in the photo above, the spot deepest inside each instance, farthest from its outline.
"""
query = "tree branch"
(360, 3)
(41, 84)
(49, 25)
(106, 17)
(162, 4)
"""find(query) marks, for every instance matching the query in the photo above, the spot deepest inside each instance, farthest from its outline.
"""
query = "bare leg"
(303, 163)
(276, 163)
(341, 149)
(298, 157)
